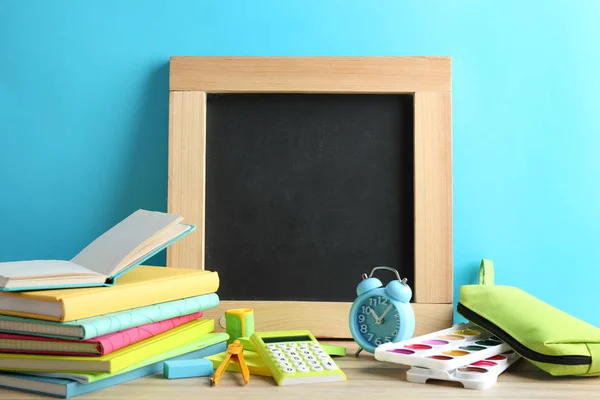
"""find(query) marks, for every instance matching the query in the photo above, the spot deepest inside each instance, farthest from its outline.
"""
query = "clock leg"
(358, 352)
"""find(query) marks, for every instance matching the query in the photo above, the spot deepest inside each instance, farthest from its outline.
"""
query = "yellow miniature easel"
(234, 350)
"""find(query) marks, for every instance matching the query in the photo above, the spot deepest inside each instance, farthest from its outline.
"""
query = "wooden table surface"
(366, 379)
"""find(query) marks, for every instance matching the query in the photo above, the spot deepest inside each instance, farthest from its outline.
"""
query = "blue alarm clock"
(381, 314)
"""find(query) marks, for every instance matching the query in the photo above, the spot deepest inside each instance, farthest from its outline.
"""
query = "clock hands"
(377, 319)
(385, 312)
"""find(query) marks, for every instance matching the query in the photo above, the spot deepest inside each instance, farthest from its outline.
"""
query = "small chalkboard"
(302, 173)
(304, 192)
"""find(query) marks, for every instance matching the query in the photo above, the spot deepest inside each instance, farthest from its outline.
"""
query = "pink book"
(99, 346)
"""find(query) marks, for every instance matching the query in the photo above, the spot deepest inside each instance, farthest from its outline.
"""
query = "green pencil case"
(553, 340)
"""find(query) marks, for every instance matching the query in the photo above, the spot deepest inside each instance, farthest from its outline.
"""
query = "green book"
(89, 377)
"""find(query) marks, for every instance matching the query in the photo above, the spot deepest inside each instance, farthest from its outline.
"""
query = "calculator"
(295, 358)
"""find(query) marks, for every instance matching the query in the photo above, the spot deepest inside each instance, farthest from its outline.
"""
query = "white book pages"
(105, 253)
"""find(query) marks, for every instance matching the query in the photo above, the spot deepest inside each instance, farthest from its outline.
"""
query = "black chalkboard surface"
(304, 192)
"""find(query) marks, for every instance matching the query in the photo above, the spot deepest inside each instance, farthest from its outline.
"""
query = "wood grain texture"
(366, 378)
(433, 197)
(187, 183)
(311, 74)
(429, 78)
(323, 319)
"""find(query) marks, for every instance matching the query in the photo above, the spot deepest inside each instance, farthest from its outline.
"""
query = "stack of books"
(100, 319)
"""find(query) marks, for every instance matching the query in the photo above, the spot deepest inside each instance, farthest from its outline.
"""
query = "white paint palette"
(479, 375)
(445, 350)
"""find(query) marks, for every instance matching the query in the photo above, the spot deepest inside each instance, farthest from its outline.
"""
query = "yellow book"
(140, 287)
(113, 362)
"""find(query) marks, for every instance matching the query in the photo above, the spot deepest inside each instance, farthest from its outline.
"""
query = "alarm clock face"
(378, 320)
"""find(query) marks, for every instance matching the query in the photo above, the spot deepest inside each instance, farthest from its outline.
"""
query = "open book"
(127, 244)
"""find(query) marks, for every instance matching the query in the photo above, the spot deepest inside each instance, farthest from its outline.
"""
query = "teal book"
(89, 328)
(126, 245)
(66, 388)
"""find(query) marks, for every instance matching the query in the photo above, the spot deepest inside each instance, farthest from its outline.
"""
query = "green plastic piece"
(245, 342)
(333, 350)
(239, 322)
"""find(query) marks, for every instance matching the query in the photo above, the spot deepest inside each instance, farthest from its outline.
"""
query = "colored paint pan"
(438, 357)
(484, 363)
(488, 342)
(436, 342)
(451, 337)
(418, 347)
(474, 370)
(401, 351)
(467, 372)
(467, 332)
(456, 353)
(472, 347)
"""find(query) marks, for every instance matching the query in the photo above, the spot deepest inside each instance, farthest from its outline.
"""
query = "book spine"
(72, 388)
(159, 312)
(167, 341)
(115, 341)
(79, 389)
(93, 303)
(171, 340)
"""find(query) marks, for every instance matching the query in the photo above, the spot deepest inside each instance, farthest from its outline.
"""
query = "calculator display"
(281, 339)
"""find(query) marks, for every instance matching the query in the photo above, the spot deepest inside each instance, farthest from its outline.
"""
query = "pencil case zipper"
(516, 345)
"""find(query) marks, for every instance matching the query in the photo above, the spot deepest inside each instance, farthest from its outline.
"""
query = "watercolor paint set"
(479, 375)
(448, 349)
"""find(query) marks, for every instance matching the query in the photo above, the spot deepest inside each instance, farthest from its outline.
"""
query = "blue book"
(126, 245)
(92, 327)
(65, 388)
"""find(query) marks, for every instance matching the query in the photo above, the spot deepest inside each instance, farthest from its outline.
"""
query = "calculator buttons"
(300, 358)
(329, 365)
(300, 364)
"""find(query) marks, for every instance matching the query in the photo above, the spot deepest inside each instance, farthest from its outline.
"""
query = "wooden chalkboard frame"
(428, 79)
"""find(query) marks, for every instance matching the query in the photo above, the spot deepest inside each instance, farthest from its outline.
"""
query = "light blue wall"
(84, 114)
